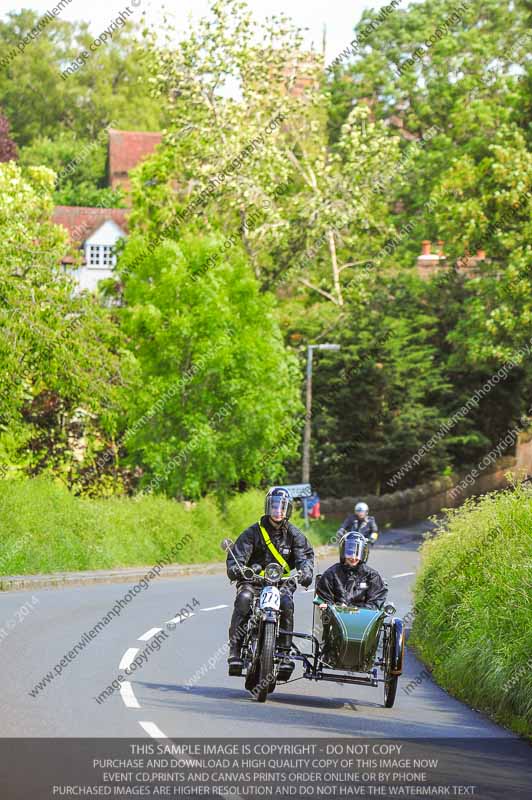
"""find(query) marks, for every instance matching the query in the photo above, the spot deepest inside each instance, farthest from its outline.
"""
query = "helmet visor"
(354, 547)
(277, 506)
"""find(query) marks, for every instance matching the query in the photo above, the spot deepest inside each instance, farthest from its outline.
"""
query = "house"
(126, 150)
(431, 263)
(95, 231)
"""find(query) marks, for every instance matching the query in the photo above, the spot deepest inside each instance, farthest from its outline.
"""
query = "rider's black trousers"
(241, 611)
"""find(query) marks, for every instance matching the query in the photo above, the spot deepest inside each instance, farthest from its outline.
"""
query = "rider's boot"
(234, 659)
(286, 665)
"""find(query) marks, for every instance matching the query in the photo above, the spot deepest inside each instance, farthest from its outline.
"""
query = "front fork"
(251, 649)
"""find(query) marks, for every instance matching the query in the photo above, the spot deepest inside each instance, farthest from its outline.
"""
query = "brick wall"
(411, 505)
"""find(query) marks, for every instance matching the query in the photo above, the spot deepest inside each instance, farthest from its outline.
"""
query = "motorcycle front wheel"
(266, 664)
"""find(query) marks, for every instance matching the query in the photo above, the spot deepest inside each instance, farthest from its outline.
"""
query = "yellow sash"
(274, 551)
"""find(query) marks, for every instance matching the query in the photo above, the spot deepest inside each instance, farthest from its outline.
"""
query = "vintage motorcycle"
(262, 663)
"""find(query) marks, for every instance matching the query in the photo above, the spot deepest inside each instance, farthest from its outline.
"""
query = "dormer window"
(100, 255)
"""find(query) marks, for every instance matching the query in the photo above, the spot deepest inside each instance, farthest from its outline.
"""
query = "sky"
(339, 16)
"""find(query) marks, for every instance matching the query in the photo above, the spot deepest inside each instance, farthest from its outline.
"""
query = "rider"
(351, 581)
(360, 521)
(273, 538)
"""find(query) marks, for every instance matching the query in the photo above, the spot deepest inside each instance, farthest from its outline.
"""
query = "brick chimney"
(428, 263)
(469, 265)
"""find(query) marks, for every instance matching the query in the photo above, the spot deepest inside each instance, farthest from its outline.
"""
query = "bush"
(46, 529)
(473, 603)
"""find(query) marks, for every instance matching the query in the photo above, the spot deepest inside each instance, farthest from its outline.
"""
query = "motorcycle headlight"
(273, 572)
(390, 609)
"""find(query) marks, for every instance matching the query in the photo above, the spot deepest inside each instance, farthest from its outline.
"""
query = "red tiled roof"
(82, 221)
(126, 149)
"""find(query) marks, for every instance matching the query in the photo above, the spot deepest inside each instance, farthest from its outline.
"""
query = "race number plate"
(270, 597)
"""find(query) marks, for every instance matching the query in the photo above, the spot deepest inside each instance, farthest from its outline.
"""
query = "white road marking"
(403, 574)
(152, 730)
(149, 634)
(179, 618)
(213, 608)
(128, 657)
(126, 692)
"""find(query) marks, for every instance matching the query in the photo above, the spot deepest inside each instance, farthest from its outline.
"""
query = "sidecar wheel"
(390, 690)
(266, 670)
(393, 661)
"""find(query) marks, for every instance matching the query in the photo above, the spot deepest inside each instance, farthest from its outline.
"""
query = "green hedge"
(44, 528)
(473, 603)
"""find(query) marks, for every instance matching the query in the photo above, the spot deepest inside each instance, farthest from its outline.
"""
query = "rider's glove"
(233, 573)
(305, 579)
(373, 537)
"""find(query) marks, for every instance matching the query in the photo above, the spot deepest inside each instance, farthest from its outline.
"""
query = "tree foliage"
(285, 207)
(54, 119)
(57, 349)
(216, 389)
(8, 148)
(264, 151)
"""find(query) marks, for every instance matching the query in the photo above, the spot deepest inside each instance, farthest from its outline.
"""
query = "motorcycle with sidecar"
(349, 644)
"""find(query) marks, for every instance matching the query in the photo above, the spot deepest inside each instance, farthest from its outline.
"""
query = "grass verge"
(473, 604)
(44, 528)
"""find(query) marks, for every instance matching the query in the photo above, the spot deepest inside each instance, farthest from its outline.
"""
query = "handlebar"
(251, 575)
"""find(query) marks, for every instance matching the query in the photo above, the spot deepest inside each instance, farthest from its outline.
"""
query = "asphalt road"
(159, 699)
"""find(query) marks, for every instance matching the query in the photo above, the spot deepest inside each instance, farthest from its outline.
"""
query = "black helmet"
(278, 500)
(353, 545)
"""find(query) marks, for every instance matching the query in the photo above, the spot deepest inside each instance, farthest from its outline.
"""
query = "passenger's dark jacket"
(365, 527)
(250, 548)
(354, 586)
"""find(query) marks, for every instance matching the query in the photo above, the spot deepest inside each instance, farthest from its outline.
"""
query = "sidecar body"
(348, 637)
(354, 645)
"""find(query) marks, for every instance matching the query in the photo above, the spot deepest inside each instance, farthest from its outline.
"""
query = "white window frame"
(100, 256)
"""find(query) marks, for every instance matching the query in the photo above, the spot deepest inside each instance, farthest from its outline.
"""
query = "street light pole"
(308, 415)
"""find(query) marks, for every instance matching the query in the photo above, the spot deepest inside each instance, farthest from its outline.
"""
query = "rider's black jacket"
(365, 526)
(354, 586)
(250, 548)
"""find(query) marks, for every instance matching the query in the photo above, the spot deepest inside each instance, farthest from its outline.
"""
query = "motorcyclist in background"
(273, 538)
(360, 522)
(351, 581)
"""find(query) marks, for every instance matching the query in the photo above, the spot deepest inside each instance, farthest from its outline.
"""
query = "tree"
(8, 148)
(378, 399)
(111, 86)
(58, 350)
(216, 390)
(485, 204)
(270, 147)
(81, 168)
(464, 82)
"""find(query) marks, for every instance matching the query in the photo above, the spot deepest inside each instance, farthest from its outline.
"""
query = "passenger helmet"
(278, 503)
(353, 545)
(362, 508)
